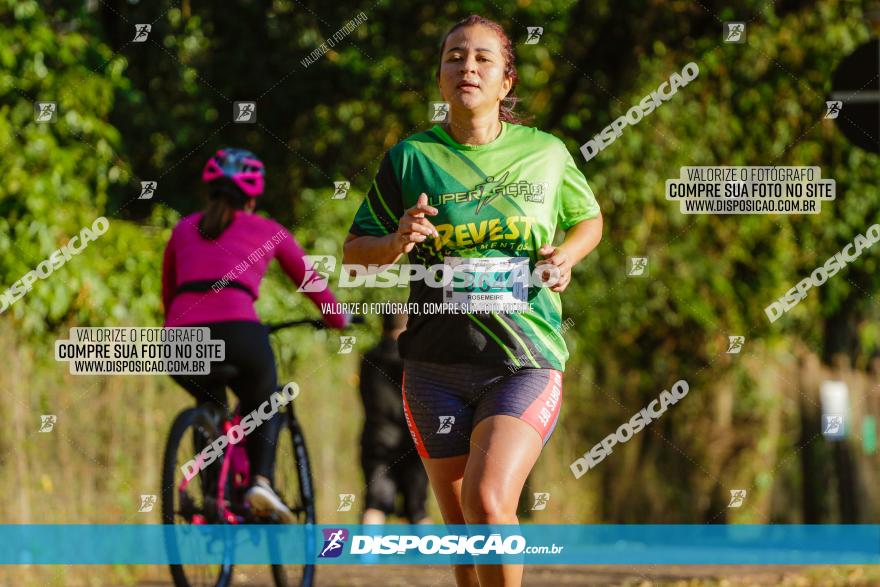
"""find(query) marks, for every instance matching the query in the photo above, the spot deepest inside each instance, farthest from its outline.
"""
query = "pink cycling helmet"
(240, 166)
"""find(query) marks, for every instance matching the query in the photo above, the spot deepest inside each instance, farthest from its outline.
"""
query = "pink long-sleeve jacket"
(241, 254)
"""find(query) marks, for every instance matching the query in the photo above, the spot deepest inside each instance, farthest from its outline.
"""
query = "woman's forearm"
(582, 238)
(371, 250)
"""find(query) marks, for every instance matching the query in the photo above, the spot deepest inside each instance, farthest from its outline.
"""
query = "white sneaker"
(263, 500)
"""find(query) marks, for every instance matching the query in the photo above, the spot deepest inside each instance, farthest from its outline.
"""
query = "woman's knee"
(486, 504)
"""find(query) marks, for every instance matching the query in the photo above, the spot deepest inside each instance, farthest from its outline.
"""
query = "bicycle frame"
(235, 465)
(238, 466)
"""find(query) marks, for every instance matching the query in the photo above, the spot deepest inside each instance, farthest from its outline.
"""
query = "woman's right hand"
(414, 228)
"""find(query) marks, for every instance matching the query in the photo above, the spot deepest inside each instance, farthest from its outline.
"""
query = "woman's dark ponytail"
(224, 199)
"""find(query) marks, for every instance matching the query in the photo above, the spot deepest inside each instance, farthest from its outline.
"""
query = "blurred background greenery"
(130, 112)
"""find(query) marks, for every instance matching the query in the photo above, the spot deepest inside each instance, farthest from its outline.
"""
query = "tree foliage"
(156, 110)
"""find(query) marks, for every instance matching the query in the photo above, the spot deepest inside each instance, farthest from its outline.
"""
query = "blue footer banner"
(563, 544)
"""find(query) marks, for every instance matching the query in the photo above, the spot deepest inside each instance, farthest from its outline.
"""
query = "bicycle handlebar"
(315, 323)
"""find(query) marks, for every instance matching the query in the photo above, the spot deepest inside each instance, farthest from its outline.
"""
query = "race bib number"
(488, 284)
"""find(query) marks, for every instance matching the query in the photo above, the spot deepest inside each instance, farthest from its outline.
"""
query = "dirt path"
(536, 576)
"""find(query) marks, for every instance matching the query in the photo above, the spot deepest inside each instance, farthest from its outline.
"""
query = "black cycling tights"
(247, 347)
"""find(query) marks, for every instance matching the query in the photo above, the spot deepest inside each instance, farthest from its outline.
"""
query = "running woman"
(482, 390)
(213, 266)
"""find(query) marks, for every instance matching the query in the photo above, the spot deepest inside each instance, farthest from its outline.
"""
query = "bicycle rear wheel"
(293, 483)
(194, 502)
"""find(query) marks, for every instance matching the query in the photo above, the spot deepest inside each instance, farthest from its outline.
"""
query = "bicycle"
(215, 495)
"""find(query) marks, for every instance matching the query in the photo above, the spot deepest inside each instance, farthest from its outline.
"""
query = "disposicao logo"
(334, 541)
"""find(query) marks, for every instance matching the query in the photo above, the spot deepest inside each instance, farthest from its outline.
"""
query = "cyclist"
(212, 269)
(482, 389)
(388, 456)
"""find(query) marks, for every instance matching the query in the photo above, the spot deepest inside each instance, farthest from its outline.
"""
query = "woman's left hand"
(561, 263)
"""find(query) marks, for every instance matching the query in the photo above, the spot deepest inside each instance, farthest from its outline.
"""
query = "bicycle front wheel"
(293, 483)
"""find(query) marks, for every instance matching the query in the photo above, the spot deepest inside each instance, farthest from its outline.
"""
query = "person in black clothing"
(389, 458)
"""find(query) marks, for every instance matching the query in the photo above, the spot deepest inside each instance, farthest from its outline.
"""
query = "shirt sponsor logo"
(491, 189)
(512, 228)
